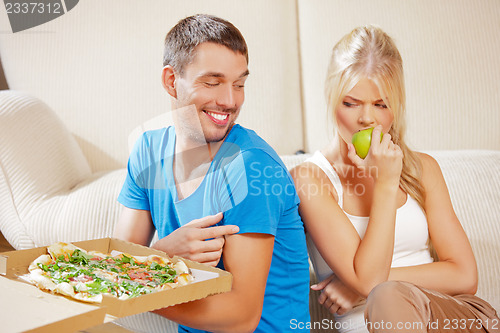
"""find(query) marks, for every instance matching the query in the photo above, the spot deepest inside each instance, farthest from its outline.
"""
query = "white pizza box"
(14, 264)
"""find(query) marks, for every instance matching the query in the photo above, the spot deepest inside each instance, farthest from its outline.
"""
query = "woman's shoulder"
(309, 177)
(312, 169)
(427, 161)
(306, 171)
(431, 171)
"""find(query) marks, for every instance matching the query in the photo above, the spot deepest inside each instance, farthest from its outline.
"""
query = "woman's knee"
(396, 300)
(389, 292)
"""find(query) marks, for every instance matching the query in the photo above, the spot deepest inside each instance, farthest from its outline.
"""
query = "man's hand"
(336, 296)
(190, 241)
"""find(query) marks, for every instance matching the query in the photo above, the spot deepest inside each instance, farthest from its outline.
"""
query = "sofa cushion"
(473, 180)
(47, 191)
(87, 211)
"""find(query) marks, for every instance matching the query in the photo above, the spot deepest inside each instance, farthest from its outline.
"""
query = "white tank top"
(410, 243)
(411, 231)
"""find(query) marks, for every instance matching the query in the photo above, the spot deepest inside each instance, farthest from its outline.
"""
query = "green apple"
(362, 141)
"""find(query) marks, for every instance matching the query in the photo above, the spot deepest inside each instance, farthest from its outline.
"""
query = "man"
(209, 171)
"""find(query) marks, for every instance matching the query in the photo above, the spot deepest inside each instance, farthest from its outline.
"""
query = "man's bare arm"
(135, 226)
(248, 258)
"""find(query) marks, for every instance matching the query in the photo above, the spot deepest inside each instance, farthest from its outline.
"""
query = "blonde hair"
(368, 52)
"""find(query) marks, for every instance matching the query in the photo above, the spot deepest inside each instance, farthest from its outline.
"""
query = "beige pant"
(403, 307)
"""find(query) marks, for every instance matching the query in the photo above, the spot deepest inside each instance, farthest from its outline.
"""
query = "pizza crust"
(44, 259)
(88, 298)
(62, 249)
(65, 288)
(181, 268)
(41, 280)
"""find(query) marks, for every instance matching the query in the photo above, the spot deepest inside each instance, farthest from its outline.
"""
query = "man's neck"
(192, 161)
(195, 151)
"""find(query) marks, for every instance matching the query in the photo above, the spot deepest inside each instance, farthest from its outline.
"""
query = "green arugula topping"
(99, 286)
(156, 266)
(125, 260)
(79, 257)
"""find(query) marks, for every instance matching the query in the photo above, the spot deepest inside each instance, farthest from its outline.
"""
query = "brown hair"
(182, 40)
(369, 52)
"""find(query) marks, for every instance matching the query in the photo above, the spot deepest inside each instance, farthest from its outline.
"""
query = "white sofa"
(80, 84)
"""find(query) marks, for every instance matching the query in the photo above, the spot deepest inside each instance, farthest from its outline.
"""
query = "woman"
(370, 221)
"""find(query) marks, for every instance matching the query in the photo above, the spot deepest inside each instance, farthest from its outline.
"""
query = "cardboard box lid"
(27, 309)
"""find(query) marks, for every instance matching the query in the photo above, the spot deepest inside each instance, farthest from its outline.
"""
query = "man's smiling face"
(214, 83)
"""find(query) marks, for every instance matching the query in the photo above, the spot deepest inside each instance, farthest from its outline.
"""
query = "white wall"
(98, 67)
(450, 50)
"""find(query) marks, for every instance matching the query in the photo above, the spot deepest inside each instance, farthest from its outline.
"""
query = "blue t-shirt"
(249, 183)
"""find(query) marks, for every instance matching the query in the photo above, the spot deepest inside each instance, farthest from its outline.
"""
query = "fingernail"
(235, 229)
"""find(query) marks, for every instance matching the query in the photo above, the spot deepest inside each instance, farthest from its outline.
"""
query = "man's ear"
(168, 80)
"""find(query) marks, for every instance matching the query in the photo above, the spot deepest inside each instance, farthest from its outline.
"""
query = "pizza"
(88, 275)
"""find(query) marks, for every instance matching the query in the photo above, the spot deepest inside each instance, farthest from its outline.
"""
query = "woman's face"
(362, 107)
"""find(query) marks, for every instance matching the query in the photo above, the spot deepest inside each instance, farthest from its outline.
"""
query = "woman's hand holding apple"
(384, 160)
